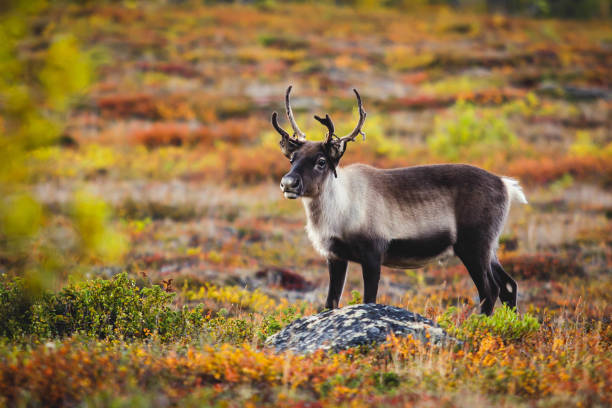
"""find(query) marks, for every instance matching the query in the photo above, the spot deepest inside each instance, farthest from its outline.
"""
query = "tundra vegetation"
(146, 251)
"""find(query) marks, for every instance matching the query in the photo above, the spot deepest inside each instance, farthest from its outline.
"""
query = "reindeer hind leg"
(478, 264)
(508, 289)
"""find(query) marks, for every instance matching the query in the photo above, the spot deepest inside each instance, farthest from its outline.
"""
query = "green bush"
(99, 308)
(385, 381)
(234, 330)
(114, 308)
(15, 308)
(505, 323)
(355, 298)
(470, 134)
(118, 309)
(273, 323)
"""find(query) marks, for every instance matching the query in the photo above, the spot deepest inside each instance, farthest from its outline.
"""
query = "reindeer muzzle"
(291, 186)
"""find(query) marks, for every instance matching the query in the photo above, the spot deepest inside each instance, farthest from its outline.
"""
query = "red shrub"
(255, 164)
(59, 377)
(545, 170)
(543, 266)
(235, 131)
(239, 131)
(121, 105)
(170, 68)
(163, 134)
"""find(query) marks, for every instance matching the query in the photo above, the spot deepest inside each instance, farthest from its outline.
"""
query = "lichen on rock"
(353, 326)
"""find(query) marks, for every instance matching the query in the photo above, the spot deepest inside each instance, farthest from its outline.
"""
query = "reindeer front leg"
(370, 268)
(337, 275)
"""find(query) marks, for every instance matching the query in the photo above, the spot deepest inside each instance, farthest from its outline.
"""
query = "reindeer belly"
(417, 252)
(397, 253)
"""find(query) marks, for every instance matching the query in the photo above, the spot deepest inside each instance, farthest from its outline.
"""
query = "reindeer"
(401, 218)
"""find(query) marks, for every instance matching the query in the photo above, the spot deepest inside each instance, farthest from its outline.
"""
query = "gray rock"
(353, 326)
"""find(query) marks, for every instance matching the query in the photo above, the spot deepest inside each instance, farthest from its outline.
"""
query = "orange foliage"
(235, 131)
(66, 374)
(162, 134)
(170, 68)
(542, 266)
(487, 96)
(139, 105)
(255, 164)
(61, 376)
(547, 169)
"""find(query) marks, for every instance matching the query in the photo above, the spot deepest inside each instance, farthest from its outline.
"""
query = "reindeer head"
(312, 162)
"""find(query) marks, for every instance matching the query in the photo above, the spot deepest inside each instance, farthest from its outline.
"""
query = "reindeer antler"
(296, 129)
(334, 149)
(362, 117)
(327, 122)
(351, 136)
(288, 144)
(279, 129)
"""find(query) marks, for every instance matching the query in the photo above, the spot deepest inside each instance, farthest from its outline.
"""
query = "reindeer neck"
(329, 203)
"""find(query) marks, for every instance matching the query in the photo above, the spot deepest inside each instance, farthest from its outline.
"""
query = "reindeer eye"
(321, 162)
(292, 158)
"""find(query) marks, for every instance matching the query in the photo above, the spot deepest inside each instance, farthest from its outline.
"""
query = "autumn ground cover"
(146, 251)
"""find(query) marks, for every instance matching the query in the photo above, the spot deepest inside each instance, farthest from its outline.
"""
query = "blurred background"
(135, 135)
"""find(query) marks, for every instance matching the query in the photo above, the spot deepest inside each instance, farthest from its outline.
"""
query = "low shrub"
(385, 381)
(232, 330)
(356, 298)
(128, 105)
(470, 133)
(544, 266)
(283, 42)
(163, 134)
(117, 309)
(505, 322)
(402, 58)
(233, 297)
(15, 308)
(235, 131)
(549, 169)
(104, 309)
(274, 322)
(178, 68)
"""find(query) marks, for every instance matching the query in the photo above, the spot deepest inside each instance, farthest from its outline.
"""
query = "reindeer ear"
(289, 145)
(335, 149)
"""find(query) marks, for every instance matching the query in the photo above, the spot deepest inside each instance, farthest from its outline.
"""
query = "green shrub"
(470, 134)
(282, 41)
(114, 308)
(273, 323)
(269, 326)
(118, 309)
(234, 330)
(99, 308)
(505, 323)
(385, 381)
(355, 298)
(15, 308)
